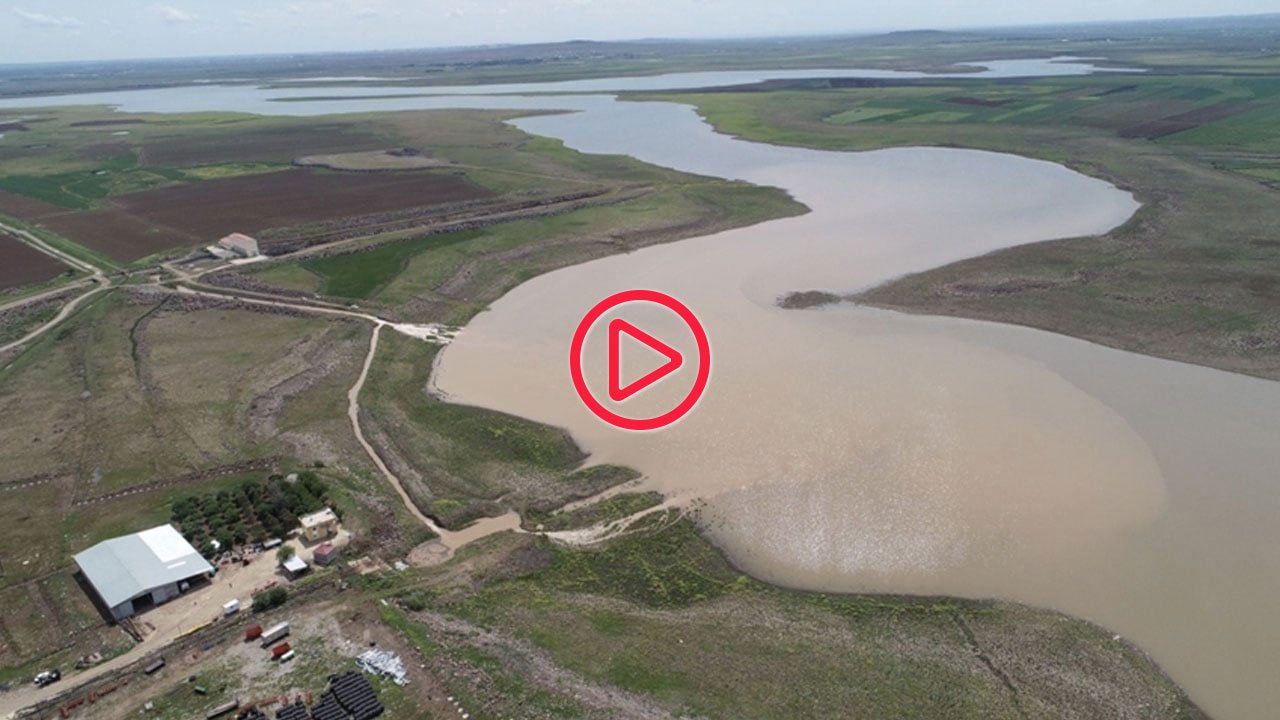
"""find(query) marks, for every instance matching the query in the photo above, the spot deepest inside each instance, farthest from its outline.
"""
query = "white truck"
(274, 633)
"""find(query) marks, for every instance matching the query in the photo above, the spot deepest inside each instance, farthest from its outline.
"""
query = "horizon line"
(873, 32)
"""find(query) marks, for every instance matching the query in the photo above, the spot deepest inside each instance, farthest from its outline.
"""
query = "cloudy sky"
(42, 30)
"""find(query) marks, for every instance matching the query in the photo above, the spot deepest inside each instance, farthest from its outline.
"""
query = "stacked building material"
(329, 709)
(296, 711)
(355, 695)
(384, 663)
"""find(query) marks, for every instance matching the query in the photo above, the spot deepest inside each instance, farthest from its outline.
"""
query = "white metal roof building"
(294, 565)
(136, 571)
(240, 244)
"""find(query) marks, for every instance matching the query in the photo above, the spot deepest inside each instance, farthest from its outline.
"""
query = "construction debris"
(384, 663)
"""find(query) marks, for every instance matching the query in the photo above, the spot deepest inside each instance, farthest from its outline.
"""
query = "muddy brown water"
(851, 449)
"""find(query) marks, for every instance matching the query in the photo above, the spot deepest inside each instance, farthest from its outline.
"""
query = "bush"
(269, 599)
(414, 602)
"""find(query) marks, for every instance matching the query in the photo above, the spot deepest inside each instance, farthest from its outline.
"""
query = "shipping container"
(274, 633)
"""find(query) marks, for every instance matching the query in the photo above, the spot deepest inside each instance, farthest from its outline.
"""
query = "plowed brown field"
(199, 213)
(26, 208)
(20, 264)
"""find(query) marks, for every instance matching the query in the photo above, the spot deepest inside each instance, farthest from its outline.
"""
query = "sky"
(50, 30)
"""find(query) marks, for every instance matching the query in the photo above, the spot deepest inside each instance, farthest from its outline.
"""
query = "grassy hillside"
(660, 615)
(1194, 277)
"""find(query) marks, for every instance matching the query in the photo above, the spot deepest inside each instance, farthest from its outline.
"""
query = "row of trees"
(253, 511)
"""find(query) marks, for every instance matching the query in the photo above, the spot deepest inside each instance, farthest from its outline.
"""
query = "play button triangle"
(619, 392)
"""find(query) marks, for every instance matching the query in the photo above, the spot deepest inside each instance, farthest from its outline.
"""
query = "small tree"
(284, 553)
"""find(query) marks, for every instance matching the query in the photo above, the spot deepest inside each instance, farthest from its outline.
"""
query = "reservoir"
(852, 449)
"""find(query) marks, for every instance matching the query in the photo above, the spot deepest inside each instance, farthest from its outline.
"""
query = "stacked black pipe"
(329, 709)
(355, 695)
(296, 711)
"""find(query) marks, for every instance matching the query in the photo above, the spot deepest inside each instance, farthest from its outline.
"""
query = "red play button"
(664, 360)
(619, 327)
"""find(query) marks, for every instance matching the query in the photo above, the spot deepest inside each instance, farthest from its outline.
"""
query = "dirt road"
(44, 247)
(43, 295)
(97, 277)
(171, 621)
(161, 626)
(450, 540)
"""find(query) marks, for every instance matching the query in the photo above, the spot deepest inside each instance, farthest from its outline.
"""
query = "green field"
(861, 114)
(1116, 103)
(361, 274)
(64, 162)
(87, 188)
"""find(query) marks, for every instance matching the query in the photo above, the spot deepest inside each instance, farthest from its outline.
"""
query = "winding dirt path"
(353, 413)
(97, 277)
(44, 295)
(63, 314)
(449, 540)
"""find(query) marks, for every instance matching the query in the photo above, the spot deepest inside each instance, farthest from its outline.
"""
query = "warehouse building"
(235, 245)
(135, 572)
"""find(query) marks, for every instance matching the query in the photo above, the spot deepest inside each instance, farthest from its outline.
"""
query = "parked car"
(48, 677)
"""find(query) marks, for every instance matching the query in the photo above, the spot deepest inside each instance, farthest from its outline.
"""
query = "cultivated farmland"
(76, 175)
(20, 264)
(293, 197)
(255, 141)
(152, 221)
(118, 234)
(27, 208)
